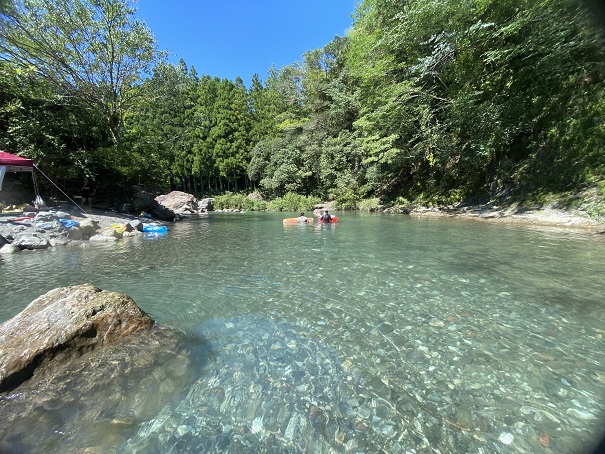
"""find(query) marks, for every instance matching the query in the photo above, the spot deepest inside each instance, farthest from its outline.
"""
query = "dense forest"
(424, 101)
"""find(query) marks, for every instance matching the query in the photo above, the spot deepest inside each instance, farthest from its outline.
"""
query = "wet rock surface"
(62, 324)
(81, 397)
(94, 403)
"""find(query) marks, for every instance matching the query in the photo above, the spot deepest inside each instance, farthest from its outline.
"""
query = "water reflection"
(379, 333)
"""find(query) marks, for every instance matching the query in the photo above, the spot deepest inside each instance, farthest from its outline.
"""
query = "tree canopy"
(431, 100)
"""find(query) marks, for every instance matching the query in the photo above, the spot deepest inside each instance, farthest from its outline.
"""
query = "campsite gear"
(68, 223)
(13, 163)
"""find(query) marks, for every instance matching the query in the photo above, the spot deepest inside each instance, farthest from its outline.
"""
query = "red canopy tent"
(15, 163)
(12, 163)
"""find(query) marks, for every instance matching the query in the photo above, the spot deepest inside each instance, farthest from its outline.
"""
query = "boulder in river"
(206, 204)
(179, 202)
(29, 240)
(64, 323)
(9, 249)
(99, 368)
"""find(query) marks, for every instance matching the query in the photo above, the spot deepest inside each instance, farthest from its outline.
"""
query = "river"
(381, 333)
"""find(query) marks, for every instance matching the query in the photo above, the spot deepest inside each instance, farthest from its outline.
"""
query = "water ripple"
(391, 333)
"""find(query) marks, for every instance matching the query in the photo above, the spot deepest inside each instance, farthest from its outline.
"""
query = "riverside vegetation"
(426, 102)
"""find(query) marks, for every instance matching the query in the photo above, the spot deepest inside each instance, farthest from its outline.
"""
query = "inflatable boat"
(318, 213)
(331, 221)
(154, 228)
(297, 221)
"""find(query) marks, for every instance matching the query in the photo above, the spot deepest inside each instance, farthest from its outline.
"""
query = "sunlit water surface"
(377, 334)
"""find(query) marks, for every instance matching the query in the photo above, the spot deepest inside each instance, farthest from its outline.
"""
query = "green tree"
(265, 105)
(55, 133)
(229, 134)
(466, 96)
(4, 5)
(203, 121)
(312, 105)
(92, 51)
(160, 130)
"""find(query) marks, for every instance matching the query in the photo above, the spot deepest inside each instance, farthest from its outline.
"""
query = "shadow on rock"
(89, 394)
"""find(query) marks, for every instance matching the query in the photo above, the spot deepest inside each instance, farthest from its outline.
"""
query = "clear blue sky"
(231, 38)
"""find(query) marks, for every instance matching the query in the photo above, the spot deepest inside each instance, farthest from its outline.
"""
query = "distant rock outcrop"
(206, 204)
(145, 202)
(64, 323)
(179, 202)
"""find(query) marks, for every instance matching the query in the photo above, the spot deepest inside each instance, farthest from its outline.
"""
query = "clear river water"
(381, 333)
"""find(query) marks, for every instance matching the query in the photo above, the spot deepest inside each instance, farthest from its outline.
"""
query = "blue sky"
(231, 38)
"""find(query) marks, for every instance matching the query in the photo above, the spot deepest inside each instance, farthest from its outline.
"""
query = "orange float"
(297, 221)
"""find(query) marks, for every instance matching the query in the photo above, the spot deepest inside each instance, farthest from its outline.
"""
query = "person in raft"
(326, 217)
(302, 218)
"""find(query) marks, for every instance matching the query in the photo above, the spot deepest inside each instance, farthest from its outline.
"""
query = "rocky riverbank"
(46, 229)
(31, 229)
(541, 217)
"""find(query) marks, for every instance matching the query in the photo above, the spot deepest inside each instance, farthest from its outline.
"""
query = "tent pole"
(35, 185)
(35, 180)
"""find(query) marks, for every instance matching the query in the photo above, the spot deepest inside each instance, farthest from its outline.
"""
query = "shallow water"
(377, 334)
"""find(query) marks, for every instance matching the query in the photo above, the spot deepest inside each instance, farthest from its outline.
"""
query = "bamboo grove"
(433, 100)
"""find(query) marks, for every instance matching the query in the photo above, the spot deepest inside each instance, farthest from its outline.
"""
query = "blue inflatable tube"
(155, 228)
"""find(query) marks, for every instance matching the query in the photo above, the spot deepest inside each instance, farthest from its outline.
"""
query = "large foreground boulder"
(88, 401)
(62, 324)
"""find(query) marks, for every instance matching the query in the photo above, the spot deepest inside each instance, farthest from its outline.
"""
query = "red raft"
(333, 218)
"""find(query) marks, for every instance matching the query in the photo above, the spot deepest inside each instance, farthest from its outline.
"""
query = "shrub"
(293, 202)
(233, 201)
(370, 205)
